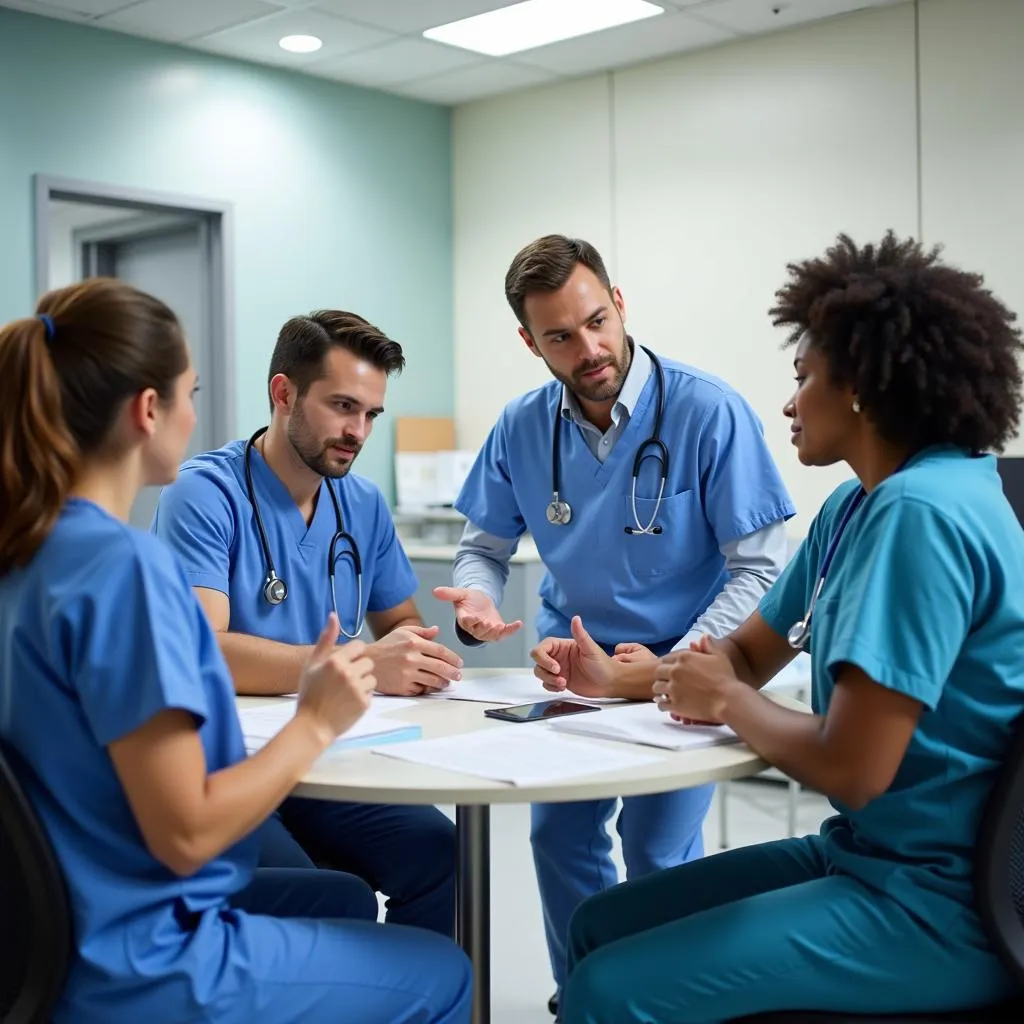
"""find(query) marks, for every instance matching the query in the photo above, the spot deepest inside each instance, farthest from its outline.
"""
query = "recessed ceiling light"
(537, 23)
(301, 44)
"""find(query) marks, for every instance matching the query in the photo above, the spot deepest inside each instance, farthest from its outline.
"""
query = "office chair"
(35, 917)
(999, 884)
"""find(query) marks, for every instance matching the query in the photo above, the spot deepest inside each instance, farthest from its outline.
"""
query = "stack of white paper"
(261, 724)
(646, 725)
(523, 755)
(508, 689)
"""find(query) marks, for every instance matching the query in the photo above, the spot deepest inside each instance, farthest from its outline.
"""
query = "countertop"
(426, 552)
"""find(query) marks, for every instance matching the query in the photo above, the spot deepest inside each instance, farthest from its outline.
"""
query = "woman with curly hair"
(907, 595)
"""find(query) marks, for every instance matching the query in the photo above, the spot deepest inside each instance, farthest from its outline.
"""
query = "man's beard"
(601, 390)
(314, 453)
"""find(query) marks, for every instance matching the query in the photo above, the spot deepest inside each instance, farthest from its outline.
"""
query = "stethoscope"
(559, 511)
(800, 632)
(275, 590)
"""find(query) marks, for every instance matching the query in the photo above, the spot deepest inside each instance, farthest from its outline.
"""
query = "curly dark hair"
(930, 353)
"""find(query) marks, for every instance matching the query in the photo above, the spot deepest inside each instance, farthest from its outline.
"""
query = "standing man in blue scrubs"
(271, 532)
(659, 515)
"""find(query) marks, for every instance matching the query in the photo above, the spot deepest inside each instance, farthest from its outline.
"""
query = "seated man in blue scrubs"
(117, 714)
(275, 534)
(907, 594)
(657, 511)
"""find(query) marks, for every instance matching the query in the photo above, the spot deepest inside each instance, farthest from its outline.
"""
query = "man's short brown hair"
(545, 265)
(304, 341)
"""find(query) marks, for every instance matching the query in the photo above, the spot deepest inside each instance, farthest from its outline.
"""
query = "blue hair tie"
(48, 324)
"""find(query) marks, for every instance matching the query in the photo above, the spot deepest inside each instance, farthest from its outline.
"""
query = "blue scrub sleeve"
(742, 489)
(488, 499)
(393, 580)
(195, 519)
(132, 645)
(907, 602)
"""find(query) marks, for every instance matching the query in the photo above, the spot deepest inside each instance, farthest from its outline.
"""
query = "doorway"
(177, 249)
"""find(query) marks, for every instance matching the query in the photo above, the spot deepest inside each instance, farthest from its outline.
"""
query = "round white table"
(364, 777)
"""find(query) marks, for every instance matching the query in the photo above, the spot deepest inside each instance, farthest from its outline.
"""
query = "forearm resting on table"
(799, 745)
(187, 816)
(263, 668)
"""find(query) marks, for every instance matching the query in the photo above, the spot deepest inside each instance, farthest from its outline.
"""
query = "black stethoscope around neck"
(800, 632)
(275, 590)
(559, 511)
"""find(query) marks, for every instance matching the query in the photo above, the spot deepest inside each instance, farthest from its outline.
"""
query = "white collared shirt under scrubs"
(723, 495)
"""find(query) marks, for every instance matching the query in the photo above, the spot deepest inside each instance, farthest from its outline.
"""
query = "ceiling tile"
(44, 10)
(750, 17)
(86, 8)
(400, 61)
(627, 44)
(177, 20)
(407, 16)
(259, 40)
(476, 82)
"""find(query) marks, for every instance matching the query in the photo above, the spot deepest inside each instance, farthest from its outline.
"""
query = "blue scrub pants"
(759, 929)
(572, 850)
(323, 971)
(293, 955)
(407, 853)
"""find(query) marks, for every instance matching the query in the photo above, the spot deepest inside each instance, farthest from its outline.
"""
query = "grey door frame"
(217, 215)
(88, 242)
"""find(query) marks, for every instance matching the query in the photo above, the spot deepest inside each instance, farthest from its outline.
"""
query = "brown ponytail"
(64, 378)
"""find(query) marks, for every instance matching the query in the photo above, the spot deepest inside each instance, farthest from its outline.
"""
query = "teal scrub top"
(98, 634)
(926, 596)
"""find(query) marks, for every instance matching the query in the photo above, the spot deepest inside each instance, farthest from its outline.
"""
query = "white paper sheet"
(646, 725)
(262, 724)
(508, 689)
(523, 755)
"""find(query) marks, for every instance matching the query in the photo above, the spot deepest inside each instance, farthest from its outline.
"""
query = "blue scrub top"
(925, 596)
(98, 634)
(206, 517)
(722, 485)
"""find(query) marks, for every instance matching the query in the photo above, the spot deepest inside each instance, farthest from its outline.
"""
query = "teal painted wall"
(342, 196)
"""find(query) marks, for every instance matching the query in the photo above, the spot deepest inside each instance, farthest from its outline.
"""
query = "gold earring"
(856, 405)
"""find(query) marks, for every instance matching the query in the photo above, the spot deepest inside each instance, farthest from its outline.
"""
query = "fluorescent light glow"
(301, 44)
(537, 23)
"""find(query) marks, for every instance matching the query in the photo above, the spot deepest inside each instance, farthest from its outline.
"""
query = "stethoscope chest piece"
(275, 590)
(798, 634)
(559, 512)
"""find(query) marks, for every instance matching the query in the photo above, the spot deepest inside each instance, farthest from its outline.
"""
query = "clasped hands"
(691, 685)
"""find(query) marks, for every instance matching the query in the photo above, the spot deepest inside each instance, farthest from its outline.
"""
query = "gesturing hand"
(577, 664)
(477, 614)
(336, 684)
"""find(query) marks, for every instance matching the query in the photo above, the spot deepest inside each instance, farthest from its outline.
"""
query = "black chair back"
(35, 917)
(999, 867)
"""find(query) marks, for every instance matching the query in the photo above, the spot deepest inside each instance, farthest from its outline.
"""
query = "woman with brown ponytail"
(117, 711)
